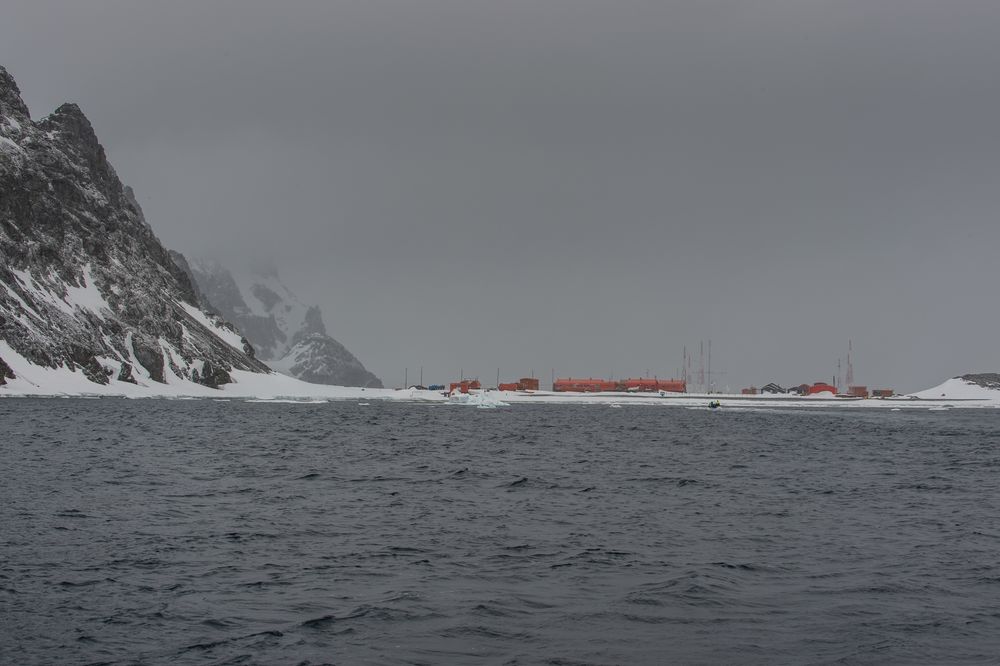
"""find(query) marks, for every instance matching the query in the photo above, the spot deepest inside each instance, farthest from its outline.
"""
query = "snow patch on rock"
(218, 327)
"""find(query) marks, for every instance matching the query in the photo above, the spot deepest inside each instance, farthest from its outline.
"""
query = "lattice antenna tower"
(850, 366)
(709, 365)
(701, 367)
(684, 366)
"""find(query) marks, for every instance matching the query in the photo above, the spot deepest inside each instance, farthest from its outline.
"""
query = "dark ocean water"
(201, 532)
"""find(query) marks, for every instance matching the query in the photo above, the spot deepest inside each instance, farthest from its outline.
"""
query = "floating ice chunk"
(484, 400)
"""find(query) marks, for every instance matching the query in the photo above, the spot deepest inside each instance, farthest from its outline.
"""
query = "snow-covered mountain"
(85, 286)
(288, 335)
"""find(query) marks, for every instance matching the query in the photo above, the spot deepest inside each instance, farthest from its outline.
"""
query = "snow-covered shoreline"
(36, 381)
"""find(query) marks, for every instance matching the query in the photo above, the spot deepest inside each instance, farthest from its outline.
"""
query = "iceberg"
(484, 400)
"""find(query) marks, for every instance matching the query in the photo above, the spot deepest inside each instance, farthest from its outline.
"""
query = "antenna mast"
(709, 365)
(701, 366)
(850, 367)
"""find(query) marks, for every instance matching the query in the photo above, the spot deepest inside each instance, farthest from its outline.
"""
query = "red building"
(822, 387)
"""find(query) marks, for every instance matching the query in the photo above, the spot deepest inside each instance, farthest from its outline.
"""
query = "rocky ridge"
(84, 282)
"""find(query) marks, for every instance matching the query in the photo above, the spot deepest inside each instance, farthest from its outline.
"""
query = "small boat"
(714, 404)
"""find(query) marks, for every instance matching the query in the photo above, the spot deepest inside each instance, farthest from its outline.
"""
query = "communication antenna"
(701, 366)
(688, 377)
(709, 365)
(850, 366)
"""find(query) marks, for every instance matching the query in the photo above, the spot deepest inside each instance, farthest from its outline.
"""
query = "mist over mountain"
(290, 336)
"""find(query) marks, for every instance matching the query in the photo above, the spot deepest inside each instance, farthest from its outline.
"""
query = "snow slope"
(958, 388)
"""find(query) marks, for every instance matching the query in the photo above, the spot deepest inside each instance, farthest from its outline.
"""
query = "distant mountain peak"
(288, 335)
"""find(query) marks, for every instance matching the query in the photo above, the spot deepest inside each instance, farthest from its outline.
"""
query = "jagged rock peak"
(312, 324)
(70, 117)
(78, 135)
(11, 103)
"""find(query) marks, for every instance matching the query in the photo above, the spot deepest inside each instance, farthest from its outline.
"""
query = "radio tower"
(850, 367)
(687, 370)
(701, 367)
(709, 365)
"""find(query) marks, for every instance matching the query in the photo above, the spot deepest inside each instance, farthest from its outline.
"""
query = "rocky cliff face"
(288, 335)
(84, 283)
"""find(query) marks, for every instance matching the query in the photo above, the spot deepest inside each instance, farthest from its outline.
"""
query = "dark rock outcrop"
(990, 380)
(5, 372)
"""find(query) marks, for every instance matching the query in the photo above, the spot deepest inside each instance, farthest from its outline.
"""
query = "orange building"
(634, 385)
(647, 385)
(523, 384)
(465, 386)
(529, 383)
(590, 385)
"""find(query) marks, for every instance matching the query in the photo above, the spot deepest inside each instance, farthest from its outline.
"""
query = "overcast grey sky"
(569, 184)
